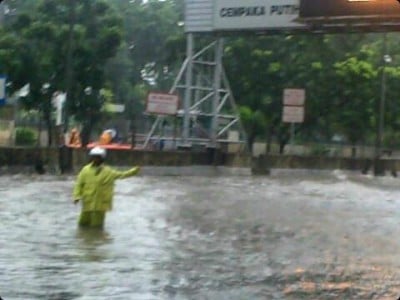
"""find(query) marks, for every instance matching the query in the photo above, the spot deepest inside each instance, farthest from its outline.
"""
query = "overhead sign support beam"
(219, 49)
(350, 16)
(188, 90)
(208, 110)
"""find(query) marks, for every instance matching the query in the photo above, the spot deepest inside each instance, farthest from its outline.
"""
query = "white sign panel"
(293, 114)
(256, 14)
(2, 88)
(58, 101)
(162, 103)
(294, 97)
(114, 108)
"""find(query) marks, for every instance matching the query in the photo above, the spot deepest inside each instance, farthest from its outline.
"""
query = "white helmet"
(98, 151)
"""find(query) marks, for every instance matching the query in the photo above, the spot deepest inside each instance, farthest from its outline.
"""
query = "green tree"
(356, 98)
(97, 31)
(151, 29)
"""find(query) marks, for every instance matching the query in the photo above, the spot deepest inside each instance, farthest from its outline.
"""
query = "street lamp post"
(69, 61)
(386, 59)
(45, 110)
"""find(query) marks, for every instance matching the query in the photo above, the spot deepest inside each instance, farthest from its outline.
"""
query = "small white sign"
(114, 108)
(294, 97)
(162, 103)
(293, 114)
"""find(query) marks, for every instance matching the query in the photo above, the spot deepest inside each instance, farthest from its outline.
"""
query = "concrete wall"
(161, 158)
(264, 163)
(71, 160)
(331, 150)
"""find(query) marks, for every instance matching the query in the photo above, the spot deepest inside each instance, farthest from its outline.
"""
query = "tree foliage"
(340, 73)
(43, 36)
(128, 47)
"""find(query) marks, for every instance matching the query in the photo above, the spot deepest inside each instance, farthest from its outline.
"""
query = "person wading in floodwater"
(94, 187)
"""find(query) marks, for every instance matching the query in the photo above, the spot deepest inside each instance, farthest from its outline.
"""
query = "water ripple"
(287, 236)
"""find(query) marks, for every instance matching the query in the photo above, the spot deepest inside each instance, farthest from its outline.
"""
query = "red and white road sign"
(293, 114)
(162, 103)
(294, 97)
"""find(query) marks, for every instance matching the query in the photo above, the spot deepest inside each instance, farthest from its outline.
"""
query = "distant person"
(94, 187)
(162, 144)
(39, 164)
(108, 136)
(75, 138)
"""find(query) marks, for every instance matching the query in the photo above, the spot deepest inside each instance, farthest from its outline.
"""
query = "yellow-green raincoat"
(95, 186)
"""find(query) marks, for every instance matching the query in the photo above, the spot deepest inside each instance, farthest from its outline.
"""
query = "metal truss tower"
(208, 114)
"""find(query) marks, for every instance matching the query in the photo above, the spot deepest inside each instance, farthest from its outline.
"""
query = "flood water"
(291, 235)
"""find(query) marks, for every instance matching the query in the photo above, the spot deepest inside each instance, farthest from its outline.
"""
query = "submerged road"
(291, 235)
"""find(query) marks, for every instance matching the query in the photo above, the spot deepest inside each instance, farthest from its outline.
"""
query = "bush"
(25, 136)
(319, 150)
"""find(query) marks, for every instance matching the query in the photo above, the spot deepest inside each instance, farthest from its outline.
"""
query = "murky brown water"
(292, 235)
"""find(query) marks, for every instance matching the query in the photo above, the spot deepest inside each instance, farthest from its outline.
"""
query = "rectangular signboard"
(240, 15)
(162, 103)
(256, 14)
(2, 89)
(293, 114)
(199, 15)
(294, 97)
(345, 8)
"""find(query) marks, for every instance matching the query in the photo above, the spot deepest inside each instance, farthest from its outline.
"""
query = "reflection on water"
(292, 235)
(91, 242)
(93, 237)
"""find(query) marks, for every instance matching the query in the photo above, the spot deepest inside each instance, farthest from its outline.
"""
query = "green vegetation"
(25, 136)
(342, 77)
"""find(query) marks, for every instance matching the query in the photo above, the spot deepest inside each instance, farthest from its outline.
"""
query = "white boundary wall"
(6, 133)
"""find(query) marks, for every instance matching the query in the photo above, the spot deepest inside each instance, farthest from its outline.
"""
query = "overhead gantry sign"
(269, 16)
(234, 15)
